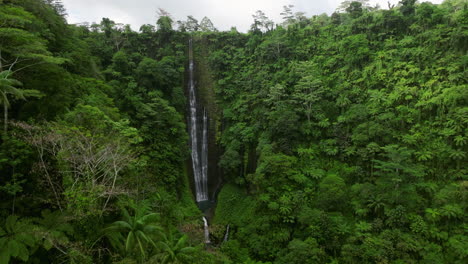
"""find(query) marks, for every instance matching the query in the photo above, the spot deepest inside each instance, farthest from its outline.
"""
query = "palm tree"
(174, 250)
(8, 86)
(134, 235)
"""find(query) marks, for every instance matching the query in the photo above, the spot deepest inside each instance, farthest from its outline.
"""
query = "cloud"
(223, 13)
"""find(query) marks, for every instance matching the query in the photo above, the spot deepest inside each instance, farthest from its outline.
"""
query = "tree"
(261, 22)
(18, 45)
(136, 234)
(307, 251)
(397, 176)
(354, 9)
(332, 193)
(288, 15)
(206, 25)
(164, 137)
(407, 7)
(346, 4)
(191, 25)
(116, 33)
(93, 153)
(8, 87)
(20, 48)
(147, 29)
(309, 90)
(175, 249)
(162, 12)
(58, 7)
(165, 20)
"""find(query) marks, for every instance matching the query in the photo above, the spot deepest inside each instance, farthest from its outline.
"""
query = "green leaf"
(130, 241)
(10, 223)
(4, 256)
(13, 248)
(47, 244)
(27, 239)
(3, 241)
(23, 252)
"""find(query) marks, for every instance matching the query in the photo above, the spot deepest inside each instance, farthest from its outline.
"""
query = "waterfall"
(207, 231)
(226, 236)
(199, 160)
(204, 157)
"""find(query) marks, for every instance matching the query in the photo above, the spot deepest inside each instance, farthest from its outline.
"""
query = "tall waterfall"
(199, 153)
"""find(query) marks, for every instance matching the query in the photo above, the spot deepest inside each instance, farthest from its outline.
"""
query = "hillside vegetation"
(344, 137)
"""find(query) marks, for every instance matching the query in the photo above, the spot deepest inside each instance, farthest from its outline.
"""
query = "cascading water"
(199, 152)
(226, 236)
(207, 231)
(204, 156)
(199, 160)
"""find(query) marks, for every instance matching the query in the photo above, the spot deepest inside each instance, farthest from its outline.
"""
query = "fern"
(16, 239)
(53, 229)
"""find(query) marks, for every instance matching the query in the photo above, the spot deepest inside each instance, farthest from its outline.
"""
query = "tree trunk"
(1, 63)
(5, 117)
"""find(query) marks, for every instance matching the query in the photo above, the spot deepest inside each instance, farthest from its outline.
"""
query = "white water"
(204, 157)
(199, 160)
(207, 231)
(226, 236)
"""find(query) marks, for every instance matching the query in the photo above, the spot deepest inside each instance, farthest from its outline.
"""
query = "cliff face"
(207, 100)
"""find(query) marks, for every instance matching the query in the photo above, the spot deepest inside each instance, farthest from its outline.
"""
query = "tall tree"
(9, 88)
(206, 25)
(261, 22)
(288, 15)
(191, 25)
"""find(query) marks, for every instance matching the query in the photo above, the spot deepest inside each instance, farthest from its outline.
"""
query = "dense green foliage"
(349, 133)
(96, 134)
(344, 137)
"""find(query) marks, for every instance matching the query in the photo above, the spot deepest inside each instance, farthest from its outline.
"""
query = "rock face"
(202, 118)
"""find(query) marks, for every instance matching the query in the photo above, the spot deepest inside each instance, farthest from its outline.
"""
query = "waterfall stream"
(204, 157)
(199, 144)
(226, 236)
(199, 152)
(207, 231)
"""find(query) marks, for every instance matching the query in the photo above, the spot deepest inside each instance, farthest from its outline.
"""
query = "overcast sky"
(223, 13)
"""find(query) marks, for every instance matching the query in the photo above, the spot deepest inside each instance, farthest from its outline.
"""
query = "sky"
(223, 13)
